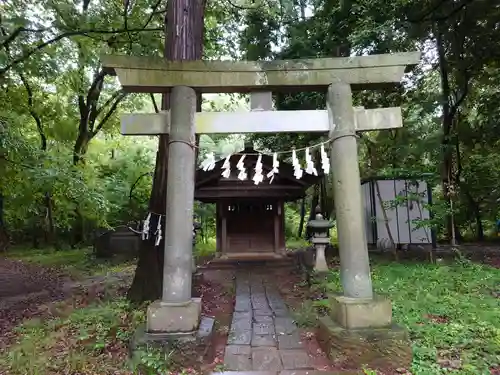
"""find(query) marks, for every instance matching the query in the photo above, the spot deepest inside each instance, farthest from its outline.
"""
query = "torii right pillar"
(360, 327)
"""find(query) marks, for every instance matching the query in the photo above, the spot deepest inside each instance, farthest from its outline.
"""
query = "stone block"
(239, 325)
(355, 313)
(242, 305)
(266, 359)
(263, 340)
(239, 337)
(263, 328)
(238, 357)
(295, 359)
(291, 341)
(119, 241)
(263, 319)
(173, 318)
(264, 312)
(372, 347)
(166, 342)
(284, 325)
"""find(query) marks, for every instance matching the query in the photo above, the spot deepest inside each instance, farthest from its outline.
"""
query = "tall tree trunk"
(302, 217)
(447, 122)
(312, 211)
(184, 41)
(4, 237)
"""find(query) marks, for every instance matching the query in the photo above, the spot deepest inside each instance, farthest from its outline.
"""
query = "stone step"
(251, 262)
(288, 372)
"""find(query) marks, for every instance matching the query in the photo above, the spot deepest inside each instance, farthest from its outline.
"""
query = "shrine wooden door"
(250, 227)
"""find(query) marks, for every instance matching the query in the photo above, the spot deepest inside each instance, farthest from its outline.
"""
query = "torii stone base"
(174, 318)
(362, 333)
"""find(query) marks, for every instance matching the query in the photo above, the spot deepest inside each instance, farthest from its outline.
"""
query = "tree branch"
(93, 98)
(68, 34)
(36, 117)
(154, 12)
(157, 110)
(424, 17)
(97, 112)
(110, 112)
(6, 42)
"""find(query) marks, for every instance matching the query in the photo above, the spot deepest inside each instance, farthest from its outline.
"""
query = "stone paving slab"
(263, 319)
(237, 357)
(263, 340)
(292, 341)
(286, 372)
(263, 312)
(241, 325)
(267, 359)
(263, 328)
(239, 337)
(295, 359)
(285, 325)
(263, 336)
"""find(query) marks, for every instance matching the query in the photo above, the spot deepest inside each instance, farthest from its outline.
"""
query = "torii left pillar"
(177, 312)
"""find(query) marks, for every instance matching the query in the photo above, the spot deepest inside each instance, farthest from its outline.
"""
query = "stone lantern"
(319, 228)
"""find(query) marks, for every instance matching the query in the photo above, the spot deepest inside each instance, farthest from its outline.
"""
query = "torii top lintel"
(156, 75)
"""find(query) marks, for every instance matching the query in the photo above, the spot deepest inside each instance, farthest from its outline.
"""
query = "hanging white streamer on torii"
(145, 227)
(209, 162)
(273, 172)
(258, 177)
(310, 168)
(297, 169)
(325, 161)
(158, 232)
(241, 167)
(226, 167)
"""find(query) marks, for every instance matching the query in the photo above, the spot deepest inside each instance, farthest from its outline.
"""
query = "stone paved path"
(263, 336)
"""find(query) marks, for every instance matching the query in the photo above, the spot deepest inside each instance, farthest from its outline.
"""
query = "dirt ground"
(23, 289)
(26, 290)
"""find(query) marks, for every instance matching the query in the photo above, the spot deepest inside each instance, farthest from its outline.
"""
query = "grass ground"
(89, 331)
(77, 263)
(452, 312)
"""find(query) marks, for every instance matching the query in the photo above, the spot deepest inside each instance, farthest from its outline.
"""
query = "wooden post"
(224, 232)
(276, 225)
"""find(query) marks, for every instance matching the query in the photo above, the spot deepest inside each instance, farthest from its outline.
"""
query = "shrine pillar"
(177, 312)
(354, 261)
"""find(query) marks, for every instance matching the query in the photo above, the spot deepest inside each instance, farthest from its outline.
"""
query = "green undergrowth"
(206, 248)
(78, 263)
(452, 312)
(91, 339)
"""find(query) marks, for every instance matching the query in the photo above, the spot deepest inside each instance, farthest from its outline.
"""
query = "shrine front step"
(218, 263)
(287, 372)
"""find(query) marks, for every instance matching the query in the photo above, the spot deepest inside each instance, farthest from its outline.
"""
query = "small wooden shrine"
(250, 222)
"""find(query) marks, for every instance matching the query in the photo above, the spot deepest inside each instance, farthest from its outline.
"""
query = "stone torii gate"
(177, 312)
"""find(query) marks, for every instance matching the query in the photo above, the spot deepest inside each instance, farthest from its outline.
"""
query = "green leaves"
(449, 310)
